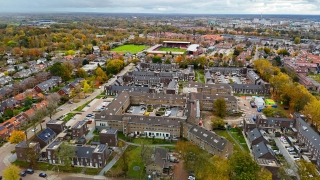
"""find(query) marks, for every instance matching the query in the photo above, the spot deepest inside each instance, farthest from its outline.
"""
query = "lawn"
(200, 76)
(239, 137)
(225, 134)
(129, 48)
(133, 160)
(82, 106)
(68, 117)
(45, 167)
(315, 77)
(171, 49)
(151, 141)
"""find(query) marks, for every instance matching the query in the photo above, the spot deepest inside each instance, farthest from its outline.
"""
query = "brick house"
(272, 124)
(45, 137)
(261, 150)
(56, 126)
(79, 130)
(22, 147)
(255, 137)
(109, 136)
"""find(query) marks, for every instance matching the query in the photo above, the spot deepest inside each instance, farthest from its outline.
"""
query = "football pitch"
(171, 49)
(129, 48)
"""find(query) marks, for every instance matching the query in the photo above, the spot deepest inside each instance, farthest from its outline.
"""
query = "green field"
(171, 49)
(129, 48)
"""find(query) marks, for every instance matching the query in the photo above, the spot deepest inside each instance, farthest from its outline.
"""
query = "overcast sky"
(165, 6)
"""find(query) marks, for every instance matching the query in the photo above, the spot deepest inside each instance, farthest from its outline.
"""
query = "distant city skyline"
(308, 7)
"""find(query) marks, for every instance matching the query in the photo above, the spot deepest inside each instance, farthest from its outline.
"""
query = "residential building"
(47, 85)
(308, 137)
(210, 141)
(109, 136)
(79, 130)
(255, 137)
(261, 150)
(160, 162)
(248, 124)
(45, 137)
(273, 124)
(56, 126)
(22, 149)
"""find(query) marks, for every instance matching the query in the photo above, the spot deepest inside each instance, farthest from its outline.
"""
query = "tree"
(114, 66)
(243, 166)
(32, 156)
(85, 61)
(297, 40)
(156, 59)
(53, 100)
(65, 153)
(312, 110)
(220, 107)
(58, 69)
(86, 86)
(307, 170)
(100, 73)
(68, 65)
(8, 113)
(264, 174)
(217, 122)
(17, 136)
(11, 173)
(81, 73)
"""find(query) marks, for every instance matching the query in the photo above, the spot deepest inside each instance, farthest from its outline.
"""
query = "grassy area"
(93, 171)
(68, 117)
(84, 105)
(315, 77)
(229, 138)
(134, 159)
(200, 76)
(237, 134)
(129, 48)
(171, 49)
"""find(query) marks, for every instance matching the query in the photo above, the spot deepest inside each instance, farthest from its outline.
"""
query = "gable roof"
(161, 157)
(254, 134)
(261, 149)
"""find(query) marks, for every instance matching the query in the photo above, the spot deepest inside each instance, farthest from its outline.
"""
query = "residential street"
(7, 148)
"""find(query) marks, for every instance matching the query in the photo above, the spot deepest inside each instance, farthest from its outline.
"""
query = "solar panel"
(1, 128)
(46, 135)
(101, 147)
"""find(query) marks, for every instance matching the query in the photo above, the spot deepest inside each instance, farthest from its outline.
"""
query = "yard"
(129, 48)
(82, 106)
(237, 134)
(133, 160)
(171, 49)
(199, 76)
(315, 77)
(225, 134)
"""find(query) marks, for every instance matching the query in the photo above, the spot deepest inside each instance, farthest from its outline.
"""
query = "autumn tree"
(17, 136)
(297, 40)
(280, 82)
(312, 111)
(81, 73)
(307, 170)
(65, 153)
(11, 172)
(264, 174)
(243, 166)
(58, 69)
(156, 59)
(69, 66)
(220, 107)
(101, 75)
(217, 122)
(85, 86)
(114, 66)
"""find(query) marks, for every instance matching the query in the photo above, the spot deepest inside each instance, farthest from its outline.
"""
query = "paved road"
(5, 150)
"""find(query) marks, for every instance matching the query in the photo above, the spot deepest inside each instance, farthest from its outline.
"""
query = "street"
(66, 108)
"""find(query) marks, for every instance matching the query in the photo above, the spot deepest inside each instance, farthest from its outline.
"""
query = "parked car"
(89, 115)
(29, 171)
(292, 152)
(43, 175)
(23, 174)
(60, 109)
(296, 159)
(34, 129)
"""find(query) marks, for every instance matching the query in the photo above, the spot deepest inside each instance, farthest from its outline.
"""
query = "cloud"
(165, 6)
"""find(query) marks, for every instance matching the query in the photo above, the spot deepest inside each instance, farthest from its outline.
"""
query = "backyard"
(129, 48)
(200, 76)
(237, 134)
(225, 134)
(171, 49)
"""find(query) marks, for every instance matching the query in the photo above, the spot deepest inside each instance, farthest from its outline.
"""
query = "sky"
(164, 6)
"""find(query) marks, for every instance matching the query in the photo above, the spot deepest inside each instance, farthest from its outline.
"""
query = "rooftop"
(52, 121)
(79, 124)
(54, 145)
(108, 131)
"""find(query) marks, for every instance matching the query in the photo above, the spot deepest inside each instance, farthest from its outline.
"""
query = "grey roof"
(84, 152)
(79, 124)
(247, 86)
(308, 132)
(254, 134)
(173, 84)
(65, 89)
(209, 137)
(261, 149)
(48, 83)
(2, 128)
(154, 120)
(7, 103)
(129, 88)
(110, 131)
(22, 144)
(161, 157)
(46, 135)
(101, 148)
(272, 120)
(53, 121)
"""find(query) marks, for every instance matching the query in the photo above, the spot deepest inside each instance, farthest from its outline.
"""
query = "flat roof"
(267, 162)
(193, 47)
(185, 42)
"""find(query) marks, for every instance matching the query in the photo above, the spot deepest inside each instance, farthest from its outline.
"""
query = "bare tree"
(53, 101)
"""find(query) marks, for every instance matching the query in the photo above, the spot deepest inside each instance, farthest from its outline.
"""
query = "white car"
(35, 129)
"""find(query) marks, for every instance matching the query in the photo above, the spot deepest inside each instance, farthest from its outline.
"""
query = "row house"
(45, 137)
(84, 155)
(56, 126)
(210, 88)
(109, 136)
(308, 136)
(248, 124)
(23, 74)
(115, 90)
(255, 137)
(272, 123)
(308, 82)
(66, 90)
(48, 85)
(206, 101)
(263, 151)
(250, 88)
(8, 126)
(226, 70)
(210, 141)
(160, 67)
